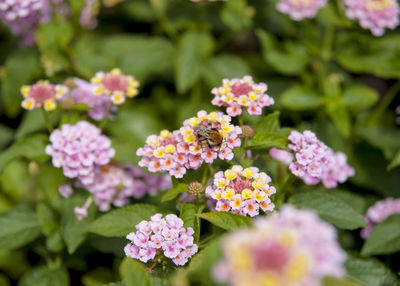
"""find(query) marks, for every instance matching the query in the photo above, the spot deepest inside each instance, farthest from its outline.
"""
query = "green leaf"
(43, 276)
(224, 66)
(268, 140)
(174, 192)
(33, 121)
(6, 135)
(300, 98)
(268, 123)
(18, 227)
(32, 148)
(14, 181)
(97, 277)
(20, 68)
(370, 272)
(384, 238)
(341, 118)
(358, 97)
(134, 273)
(341, 282)
(395, 162)
(48, 219)
(74, 231)
(290, 58)
(226, 220)
(329, 208)
(236, 15)
(384, 138)
(120, 222)
(189, 212)
(192, 51)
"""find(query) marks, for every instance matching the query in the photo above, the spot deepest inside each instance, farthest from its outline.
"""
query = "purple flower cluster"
(78, 149)
(24, 16)
(375, 15)
(187, 149)
(116, 184)
(282, 249)
(379, 212)
(314, 162)
(237, 93)
(159, 236)
(300, 9)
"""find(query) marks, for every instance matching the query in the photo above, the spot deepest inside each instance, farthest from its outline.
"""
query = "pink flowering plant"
(203, 142)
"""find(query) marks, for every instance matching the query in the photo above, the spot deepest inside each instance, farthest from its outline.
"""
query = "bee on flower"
(115, 85)
(241, 191)
(236, 94)
(282, 249)
(42, 94)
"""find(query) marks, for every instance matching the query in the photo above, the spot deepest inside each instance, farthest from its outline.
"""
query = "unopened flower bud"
(247, 132)
(195, 188)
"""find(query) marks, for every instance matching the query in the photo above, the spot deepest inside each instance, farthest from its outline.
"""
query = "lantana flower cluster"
(315, 162)
(115, 184)
(241, 191)
(282, 249)
(375, 15)
(300, 9)
(379, 212)
(185, 149)
(161, 237)
(237, 93)
(42, 94)
(78, 149)
(115, 85)
(24, 16)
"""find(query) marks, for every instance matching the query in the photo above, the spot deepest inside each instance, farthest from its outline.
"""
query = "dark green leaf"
(300, 98)
(236, 15)
(384, 238)
(395, 162)
(189, 212)
(329, 208)
(226, 220)
(43, 276)
(357, 97)
(268, 123)
(134, 273)
(6, 135)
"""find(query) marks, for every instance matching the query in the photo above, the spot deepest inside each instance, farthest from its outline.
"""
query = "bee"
(208, 135)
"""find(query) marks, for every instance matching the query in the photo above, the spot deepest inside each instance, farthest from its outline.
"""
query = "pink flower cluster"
(158, 236)
(241, 191)
(300, 9)
(42, 94)
(375, 15)
(115, 85)
(24, 16)
(314, 162)
(379, 212)
(78, 149)
(237, 93)
(189, 147)
(115, 184)
(282, 249)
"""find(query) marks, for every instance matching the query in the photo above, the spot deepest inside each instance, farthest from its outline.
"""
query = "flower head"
(42, 94)
(379, 212)
(78, 149)
(282, 249)
(115, 184)
(242, 191)
(375, 15)
(236, 94)
(161, 235)
(195, 188)
(115, 85)
(300, 9)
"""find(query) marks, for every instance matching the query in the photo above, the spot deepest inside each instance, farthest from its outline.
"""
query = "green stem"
(384, 104)
(47, 120)
(326, 52)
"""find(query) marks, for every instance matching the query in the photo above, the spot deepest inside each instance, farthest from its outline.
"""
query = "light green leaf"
(329, 208)
(193, 50)
(33, 121)
(43, 276)
(370, 272)
(134, 273)
(300, 98)
(268, 123)
(18, 227)
(6, 135)
(32, 148)
(14, 180)
(395, 162)
(384, 238)
(174, 192)
(226, 220)
(236, 15)
(189, 212)
(341, 282)
(341, 118)
(357, 97)
(120, 222)
(268, 140)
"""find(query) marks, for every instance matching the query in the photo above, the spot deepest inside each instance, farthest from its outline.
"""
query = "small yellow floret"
(230, 175)
(28, 104)
(170, 148)
(49, 105)
(247, 194)
(117, 98)
(212, 116)
(247, 173)
(165, 133)
(25, 90)
(116, 71)
(228, 194)
(159, 152)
